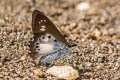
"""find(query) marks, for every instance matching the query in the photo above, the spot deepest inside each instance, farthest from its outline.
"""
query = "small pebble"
(83, 6)
(89, 74)
(23, 57)
(89, 8)
(38, 72)
(99, 67)
(89, 64)
(98, 33)
(63, 72)
(117, 75)
(23, 52)
(2, 59)
(1, 64)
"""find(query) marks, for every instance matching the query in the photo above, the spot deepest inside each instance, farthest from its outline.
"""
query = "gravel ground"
(96, 32)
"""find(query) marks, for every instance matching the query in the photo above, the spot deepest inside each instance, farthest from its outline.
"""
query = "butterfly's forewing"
(42, 25)
(38, 20)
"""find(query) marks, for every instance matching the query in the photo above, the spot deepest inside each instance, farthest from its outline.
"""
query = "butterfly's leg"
(56, 55)
(51, 64)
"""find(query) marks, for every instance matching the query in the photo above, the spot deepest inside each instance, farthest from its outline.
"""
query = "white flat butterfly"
(47, 42)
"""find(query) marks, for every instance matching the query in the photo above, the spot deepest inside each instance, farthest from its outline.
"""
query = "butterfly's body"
(48, 42)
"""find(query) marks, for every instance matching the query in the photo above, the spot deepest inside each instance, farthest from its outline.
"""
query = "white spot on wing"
(41, 20)
(43, 28)
(46, 48)
(44, 20)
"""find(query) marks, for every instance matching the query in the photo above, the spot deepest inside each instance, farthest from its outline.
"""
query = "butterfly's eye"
(49, 36)
(55, 40)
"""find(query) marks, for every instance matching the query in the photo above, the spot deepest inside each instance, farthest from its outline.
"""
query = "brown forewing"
(37, 16)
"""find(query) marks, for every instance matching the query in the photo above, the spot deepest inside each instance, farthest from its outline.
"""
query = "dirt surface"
(96, 32)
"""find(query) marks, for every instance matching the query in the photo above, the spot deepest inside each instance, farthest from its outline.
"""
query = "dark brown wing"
(38, 20)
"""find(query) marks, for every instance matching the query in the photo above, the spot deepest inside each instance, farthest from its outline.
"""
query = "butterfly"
(47, 41)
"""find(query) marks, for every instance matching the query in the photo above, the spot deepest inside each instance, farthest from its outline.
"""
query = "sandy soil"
(96, 32)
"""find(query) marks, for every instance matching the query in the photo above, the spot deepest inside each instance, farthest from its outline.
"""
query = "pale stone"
(63, 72)
(38, 72)
(88, 8)
(83, 6)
